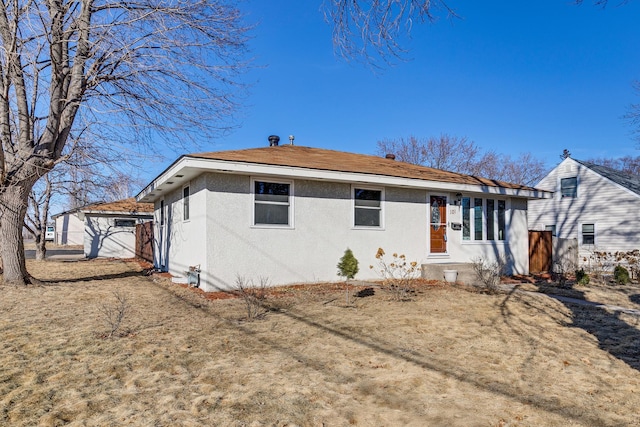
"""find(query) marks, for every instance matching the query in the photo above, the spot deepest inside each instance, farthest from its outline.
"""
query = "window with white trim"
(272, 203)
(185, 203)
(480, 215)
(367, 204)
(551, 228)
(569, 187)
(588, 234)
(477, 219)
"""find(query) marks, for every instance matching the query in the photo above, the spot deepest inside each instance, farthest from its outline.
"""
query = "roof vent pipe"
(273, 140)
(291, 138)
(390, 156)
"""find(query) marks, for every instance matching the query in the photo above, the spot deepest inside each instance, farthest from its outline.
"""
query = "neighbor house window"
(569, 187)
(367, 207)
(272, 203)
(477, 219)
(551, 228)
(466, 218)
(588, 234)
(185, 203)
(125, 222)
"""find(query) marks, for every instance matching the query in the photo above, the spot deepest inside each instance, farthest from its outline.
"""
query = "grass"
(447, 357)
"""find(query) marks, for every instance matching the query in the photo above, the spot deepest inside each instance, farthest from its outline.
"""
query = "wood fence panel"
(540, 252)
(144, 241)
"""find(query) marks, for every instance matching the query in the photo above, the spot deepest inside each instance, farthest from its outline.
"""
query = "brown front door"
(438, 224)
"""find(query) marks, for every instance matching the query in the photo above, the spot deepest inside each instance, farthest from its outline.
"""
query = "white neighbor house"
(287, 213)
(594, 204)
(107, 229)
(69, 228)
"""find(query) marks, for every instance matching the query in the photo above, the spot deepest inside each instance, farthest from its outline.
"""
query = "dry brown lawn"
(448, 357)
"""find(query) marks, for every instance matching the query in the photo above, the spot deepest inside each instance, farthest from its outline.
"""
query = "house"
(69, 228)
(287, 213)
(595, 205)
(108, 229)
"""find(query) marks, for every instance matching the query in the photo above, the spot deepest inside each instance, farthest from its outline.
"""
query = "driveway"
(58, 252)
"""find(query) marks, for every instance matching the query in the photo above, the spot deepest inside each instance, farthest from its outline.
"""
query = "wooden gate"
(144, 241)
(540, 251)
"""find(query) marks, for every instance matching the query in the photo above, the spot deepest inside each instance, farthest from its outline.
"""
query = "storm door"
(438, 224)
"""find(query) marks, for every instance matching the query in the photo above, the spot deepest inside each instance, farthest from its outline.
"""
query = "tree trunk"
(13, 207)
(41, 249)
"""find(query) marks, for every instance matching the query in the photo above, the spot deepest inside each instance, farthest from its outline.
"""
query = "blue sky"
(515, 77)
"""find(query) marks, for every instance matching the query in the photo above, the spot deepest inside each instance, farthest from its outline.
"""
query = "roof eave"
(186, 167)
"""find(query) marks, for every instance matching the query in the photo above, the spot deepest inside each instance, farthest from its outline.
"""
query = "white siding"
(103, 238)
(612, 208)
(69, 229)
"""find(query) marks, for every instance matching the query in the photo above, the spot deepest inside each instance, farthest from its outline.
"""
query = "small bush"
(398, 274)
(348, 268)
(621, 275)
(489, 273)
(348, 265)
(582, 278)
(253, 296)
(115, 314)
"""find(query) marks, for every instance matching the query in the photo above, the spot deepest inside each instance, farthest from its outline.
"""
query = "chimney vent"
(390, 156)
(273, 140)
(291, 138)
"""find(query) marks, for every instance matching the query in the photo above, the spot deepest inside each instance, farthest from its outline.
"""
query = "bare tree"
(445, 152)
(159, 68)
(38, 213)
(460, 155)
(373, 29)
(626, 164)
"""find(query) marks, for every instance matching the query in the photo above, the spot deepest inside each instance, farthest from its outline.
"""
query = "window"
(271, 203)
(367, 207)
(185, 203)
(477, 219)
(466, 218)
(588, 234)
(569, 187)
(490, 219)
(161, 212)
(125, 222)
(501, 219)
(493, 217)
(551, 228)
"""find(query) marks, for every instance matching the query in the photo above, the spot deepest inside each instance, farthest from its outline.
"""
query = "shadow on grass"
(417, 358)
(123, 275)
(615, 336)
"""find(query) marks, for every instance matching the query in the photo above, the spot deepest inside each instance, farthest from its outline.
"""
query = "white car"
(50, 234)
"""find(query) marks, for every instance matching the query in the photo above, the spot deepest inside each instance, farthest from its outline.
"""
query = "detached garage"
(110, 228)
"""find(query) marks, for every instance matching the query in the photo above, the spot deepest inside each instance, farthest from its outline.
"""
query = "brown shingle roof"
(330, 160)
(125, 206)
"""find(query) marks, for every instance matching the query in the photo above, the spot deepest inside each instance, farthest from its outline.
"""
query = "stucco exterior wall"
(220, 236)
(69, 229)
(102, 238)
(181, 243)
(612, 208)
(514, 249)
